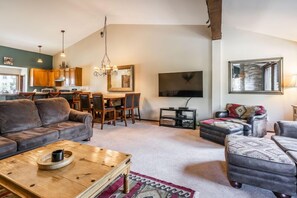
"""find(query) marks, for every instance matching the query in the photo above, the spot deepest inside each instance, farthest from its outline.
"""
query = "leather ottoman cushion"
(53, 110)
(7, 146)
(69, 129)
(222, 126)
(258, 154)
(285, 143)
(32, 138)
(18, 115)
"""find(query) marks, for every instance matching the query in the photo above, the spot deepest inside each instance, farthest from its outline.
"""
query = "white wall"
(242, 45)
(152, 49)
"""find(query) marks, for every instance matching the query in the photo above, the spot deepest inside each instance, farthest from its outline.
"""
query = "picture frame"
(257, 76)
(7, 60)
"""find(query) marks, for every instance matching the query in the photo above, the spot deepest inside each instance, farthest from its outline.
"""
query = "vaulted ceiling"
(276, 18)
(28, 23)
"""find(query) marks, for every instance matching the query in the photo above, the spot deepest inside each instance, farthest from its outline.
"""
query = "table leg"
(126, 181)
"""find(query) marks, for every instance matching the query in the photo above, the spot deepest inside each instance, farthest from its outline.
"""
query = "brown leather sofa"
(27, 124)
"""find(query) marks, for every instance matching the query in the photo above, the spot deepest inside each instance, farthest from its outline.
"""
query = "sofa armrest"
(251, 119)
(286, 128)
(83, 117)
(221, 114)
(258, 124)
(78, 116)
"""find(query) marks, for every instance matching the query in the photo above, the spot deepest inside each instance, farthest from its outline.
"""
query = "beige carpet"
(179, 156)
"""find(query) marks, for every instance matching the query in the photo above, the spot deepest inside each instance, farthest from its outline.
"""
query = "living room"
(162, 37)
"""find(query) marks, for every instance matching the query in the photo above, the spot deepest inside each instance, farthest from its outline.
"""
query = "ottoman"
(216, 130)
(259, 162)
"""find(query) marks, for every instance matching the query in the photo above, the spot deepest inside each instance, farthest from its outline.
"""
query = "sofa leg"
(280, 195)
(235, 184)
(88, 139)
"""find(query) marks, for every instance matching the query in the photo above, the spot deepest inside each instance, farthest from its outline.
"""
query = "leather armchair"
(253, 126)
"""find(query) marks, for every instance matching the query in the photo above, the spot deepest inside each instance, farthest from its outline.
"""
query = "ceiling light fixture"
(63, 53)
(39, 60)
(106, 67)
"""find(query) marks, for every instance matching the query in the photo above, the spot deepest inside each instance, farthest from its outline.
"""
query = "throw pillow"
(235, 110)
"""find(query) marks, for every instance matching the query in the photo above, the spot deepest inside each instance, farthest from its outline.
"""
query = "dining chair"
(127, 106)
(136, 105)
(26, 95)
(76, 100)
(85, 103)
(53, 94)
(99, 107)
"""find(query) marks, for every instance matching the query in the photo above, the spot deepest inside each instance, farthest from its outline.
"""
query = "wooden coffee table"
(92, 169)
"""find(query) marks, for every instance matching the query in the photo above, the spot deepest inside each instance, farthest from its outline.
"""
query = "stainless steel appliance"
(48, 90)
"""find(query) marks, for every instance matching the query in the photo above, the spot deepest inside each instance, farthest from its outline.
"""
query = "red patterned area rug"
(142, 186)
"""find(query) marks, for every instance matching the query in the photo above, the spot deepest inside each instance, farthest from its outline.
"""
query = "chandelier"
(106, 67)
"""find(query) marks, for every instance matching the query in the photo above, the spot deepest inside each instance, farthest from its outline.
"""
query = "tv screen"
(181, 84)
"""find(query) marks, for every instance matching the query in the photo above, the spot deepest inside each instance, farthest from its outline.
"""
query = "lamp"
(293, 82)
(106, 67)
(62, 53)
(39, 60)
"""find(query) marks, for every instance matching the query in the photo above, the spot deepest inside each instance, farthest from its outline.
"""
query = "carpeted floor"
(178, 156)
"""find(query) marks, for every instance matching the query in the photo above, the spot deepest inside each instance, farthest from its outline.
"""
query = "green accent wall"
(22, 58)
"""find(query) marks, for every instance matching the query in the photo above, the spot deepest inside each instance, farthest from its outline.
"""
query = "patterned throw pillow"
(244, 111)
(235, 110)
(260, 110)
(250, 111)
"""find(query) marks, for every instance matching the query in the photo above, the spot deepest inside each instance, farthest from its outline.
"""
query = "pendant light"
(63, 53)
(39, 60)
(106, 67)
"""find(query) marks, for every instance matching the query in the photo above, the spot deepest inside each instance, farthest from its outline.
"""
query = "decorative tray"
(45, 161)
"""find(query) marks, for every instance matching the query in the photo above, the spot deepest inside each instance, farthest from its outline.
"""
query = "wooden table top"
(91, 166)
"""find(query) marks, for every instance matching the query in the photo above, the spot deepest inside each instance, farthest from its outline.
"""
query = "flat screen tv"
(181, 84)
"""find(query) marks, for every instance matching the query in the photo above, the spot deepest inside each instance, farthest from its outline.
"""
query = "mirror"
(260, 76)
(123, 80)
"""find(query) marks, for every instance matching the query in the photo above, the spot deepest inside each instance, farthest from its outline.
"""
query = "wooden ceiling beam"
(215, 17)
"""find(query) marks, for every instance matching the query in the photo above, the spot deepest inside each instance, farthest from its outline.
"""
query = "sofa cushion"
(53, 110)
(258, 154)
(32, 138)
(18, 115)
(285, 143)
(7, 147)
(69, 130)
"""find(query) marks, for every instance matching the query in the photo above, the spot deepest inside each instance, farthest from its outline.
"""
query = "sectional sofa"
(265, 163)
(27, 124)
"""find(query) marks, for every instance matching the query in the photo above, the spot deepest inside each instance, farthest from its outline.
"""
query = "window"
(9, 83)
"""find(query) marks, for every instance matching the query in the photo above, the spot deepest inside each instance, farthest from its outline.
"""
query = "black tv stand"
(178, 118)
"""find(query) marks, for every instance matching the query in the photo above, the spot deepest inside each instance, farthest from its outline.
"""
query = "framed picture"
(7, 61)
(125, 81)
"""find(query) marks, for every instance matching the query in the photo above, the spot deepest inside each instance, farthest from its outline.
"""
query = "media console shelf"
(178, 118)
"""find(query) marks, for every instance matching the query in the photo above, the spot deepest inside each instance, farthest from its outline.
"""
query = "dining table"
(114, 99)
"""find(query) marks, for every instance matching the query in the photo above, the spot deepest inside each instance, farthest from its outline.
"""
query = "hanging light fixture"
(63, 53)
(106, 67)
(39, 60)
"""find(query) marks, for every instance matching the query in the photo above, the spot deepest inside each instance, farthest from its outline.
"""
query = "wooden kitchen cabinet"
(75, 75)
(51, 78)
(39, 77)
(56, 77)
